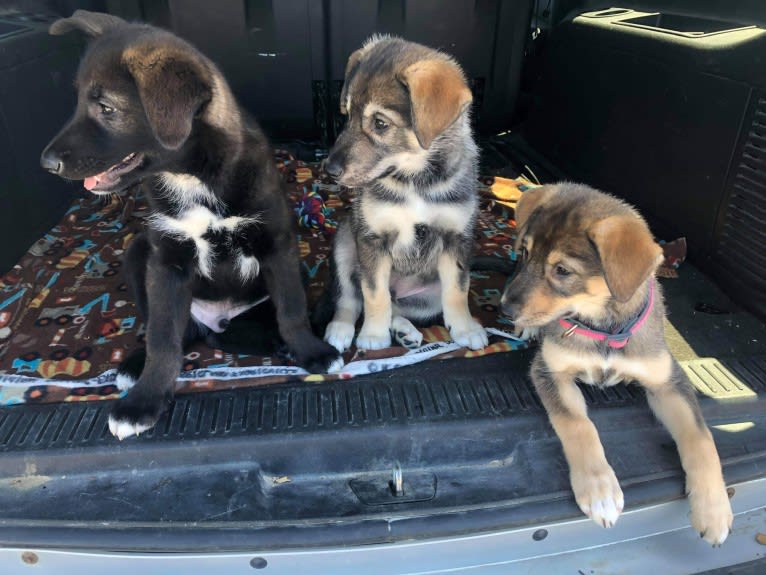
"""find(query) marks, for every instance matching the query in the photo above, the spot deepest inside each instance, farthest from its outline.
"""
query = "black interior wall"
(36, 98)
(487, 37)
(661, 119)
(285, 59)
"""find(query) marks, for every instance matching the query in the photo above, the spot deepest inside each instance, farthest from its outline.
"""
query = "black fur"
(158, 88)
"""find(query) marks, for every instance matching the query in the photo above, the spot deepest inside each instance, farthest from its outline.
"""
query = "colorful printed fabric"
(67, 321)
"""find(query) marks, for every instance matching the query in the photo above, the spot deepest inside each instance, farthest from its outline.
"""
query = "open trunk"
(662, 102)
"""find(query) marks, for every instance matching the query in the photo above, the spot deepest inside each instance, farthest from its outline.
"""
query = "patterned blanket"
(66, 319)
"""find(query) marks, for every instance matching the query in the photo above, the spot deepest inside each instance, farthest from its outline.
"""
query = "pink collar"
(616, 340)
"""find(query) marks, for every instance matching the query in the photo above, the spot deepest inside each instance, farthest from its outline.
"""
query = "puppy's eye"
(561, 271)
(106, 110)
(380, 125)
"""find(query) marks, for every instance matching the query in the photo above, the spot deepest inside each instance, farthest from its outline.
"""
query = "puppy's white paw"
(469, 333)
(339, 334)
(336, 366)
(373, 337)
(599, 495)
(124, 381)
(122, 428)
(139, 410)
(406, 334)
(711, 514)
(528, 333)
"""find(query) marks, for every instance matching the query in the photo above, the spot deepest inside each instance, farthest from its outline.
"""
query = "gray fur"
(393, 174)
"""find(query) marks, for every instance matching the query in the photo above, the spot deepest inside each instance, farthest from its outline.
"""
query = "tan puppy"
(587, 281)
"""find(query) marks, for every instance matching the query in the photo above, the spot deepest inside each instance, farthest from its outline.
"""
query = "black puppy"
(220, 237)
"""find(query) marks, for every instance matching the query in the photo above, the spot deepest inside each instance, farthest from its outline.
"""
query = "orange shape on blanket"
(303, 174)
(39, 298)
(71, 260)
(68, 366)
(506, 191)
(91, 397)
(494, 348)
(435, 333)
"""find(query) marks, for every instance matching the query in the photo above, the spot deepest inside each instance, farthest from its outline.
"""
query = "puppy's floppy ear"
(351, 65)
(628, 253)
(91, 23)
(173, 85)
(529, 202)
(438, 95)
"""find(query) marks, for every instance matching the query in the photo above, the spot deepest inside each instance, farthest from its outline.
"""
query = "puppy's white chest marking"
(186, 191)
(607, 370)
(198, 224)
(384, 217)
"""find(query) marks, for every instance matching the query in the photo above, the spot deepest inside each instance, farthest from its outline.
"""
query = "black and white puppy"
(408, 151)
(220, 239)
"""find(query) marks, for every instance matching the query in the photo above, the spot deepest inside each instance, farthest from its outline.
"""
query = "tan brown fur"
(171, 90)
(608, 258)
(627, 251)
(439, 95)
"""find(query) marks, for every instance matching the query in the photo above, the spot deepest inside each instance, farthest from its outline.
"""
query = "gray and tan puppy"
(408, 151)
(587, 281)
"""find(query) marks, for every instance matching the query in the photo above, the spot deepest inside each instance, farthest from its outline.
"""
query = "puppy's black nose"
(51, 161)
(508, 304)
(224, 323)
(333, 167)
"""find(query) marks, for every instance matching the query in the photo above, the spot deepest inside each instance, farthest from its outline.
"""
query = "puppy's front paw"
(405, 334)
(527, 333)
(135, 413)
(711, 514)
(469, 333)
(317, 356)
(373, 338)
(339, 334)
(599, 495)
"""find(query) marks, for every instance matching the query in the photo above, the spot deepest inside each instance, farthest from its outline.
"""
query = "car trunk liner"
(276, 464)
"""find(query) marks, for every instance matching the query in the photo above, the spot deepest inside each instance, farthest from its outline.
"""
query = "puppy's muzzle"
(52, 161)
(336, 161)
(511, 302)
(333, 168)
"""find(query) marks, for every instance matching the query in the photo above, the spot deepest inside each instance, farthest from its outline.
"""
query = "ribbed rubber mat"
(275, 409)
(450, 391)
(727, 379)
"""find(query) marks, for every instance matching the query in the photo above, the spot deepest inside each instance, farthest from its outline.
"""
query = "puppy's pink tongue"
(91, 182)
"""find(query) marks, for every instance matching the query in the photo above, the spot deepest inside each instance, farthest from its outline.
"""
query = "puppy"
(408, 150)
(586, 279)
(220, 238)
